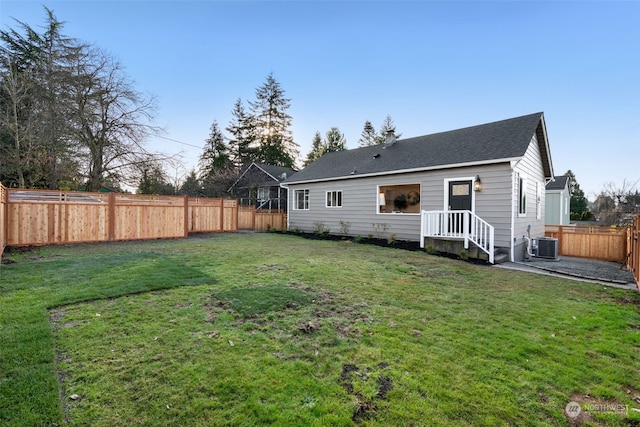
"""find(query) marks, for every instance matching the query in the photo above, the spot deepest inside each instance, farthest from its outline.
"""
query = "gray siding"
(553, 208)
(360, 196)
(557, 207)
(529, 167)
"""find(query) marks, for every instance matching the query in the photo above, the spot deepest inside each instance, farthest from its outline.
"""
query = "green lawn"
(260, 329)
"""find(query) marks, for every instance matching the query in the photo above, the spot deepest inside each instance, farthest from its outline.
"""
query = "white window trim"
(295, 199)
(326, 199)
(521, 183)
(419, 184)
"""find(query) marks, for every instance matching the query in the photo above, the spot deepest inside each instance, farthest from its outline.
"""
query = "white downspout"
(512, 213)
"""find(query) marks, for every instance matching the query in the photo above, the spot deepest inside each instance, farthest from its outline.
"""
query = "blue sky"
(432, 66)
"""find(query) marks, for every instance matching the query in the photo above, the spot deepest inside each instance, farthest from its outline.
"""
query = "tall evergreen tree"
(215, 157)
(387, 126)
(191, 186)
(273, 123)
(334, 141)
(39, 64)
(368, 136)
(153, 180)
(243, 141)
(317, 149)
(579, 205)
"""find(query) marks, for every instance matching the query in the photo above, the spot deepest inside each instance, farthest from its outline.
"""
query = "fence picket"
(43, 217)
(605, 243)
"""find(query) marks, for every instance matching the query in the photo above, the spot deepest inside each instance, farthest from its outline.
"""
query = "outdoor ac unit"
(546, 247)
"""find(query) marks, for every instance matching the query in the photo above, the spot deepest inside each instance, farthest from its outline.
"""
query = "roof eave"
(403, 171)
(541, 134)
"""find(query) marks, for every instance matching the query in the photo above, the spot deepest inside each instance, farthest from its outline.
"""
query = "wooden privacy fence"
(250, 218)
(633, 243)
(3, 218)
(605, 243)
(210, 215)
(39, 217)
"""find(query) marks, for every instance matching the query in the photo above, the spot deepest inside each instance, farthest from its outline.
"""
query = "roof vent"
(353, 172)
(375, 156)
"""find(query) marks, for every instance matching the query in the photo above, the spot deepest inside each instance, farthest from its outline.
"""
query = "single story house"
(557, 201)
(479, 188)
(259, 185)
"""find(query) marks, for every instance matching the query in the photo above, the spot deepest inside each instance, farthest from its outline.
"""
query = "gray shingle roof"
(269, 175)
(559, 183)
(488, 143)
(276, 171)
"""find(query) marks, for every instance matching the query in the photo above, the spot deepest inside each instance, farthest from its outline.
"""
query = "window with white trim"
(301, 199)
(263, 193)
(334, 199)
(522, 196)
(399, 198)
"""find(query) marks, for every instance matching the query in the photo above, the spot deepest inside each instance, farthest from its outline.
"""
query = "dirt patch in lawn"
(354, 380)
(308, 308)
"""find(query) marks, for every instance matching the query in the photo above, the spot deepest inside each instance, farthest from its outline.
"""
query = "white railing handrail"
(463, 225)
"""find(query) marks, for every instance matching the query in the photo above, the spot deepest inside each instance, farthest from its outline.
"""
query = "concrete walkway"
(582, 269)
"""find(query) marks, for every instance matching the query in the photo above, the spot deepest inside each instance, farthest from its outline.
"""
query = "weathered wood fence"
(605, 243)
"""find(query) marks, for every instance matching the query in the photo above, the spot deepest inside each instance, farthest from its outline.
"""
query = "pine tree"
(243, 141)
(191, 185)
(39, 135)
(579, 205)
(154, 180)
(317, 149)
(334, 141)
(215, 157)
(272, 123)
(387, 126)
(368, 136)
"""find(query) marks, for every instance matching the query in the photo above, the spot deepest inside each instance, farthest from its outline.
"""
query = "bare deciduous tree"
(617, 203)
(111, 118)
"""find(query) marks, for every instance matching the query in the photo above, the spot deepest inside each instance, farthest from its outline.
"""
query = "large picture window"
(399, 198)
(301, 200)
(334, 199)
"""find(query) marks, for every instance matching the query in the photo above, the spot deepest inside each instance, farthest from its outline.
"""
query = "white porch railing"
(458, 225)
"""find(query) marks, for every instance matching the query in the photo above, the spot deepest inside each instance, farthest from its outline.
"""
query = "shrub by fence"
(605, 243)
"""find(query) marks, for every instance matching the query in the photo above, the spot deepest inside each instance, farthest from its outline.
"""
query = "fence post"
(111, 220)
(186, 216)
(4, 216)
(560, 236)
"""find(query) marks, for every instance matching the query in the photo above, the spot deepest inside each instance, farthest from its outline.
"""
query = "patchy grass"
(274, 329)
